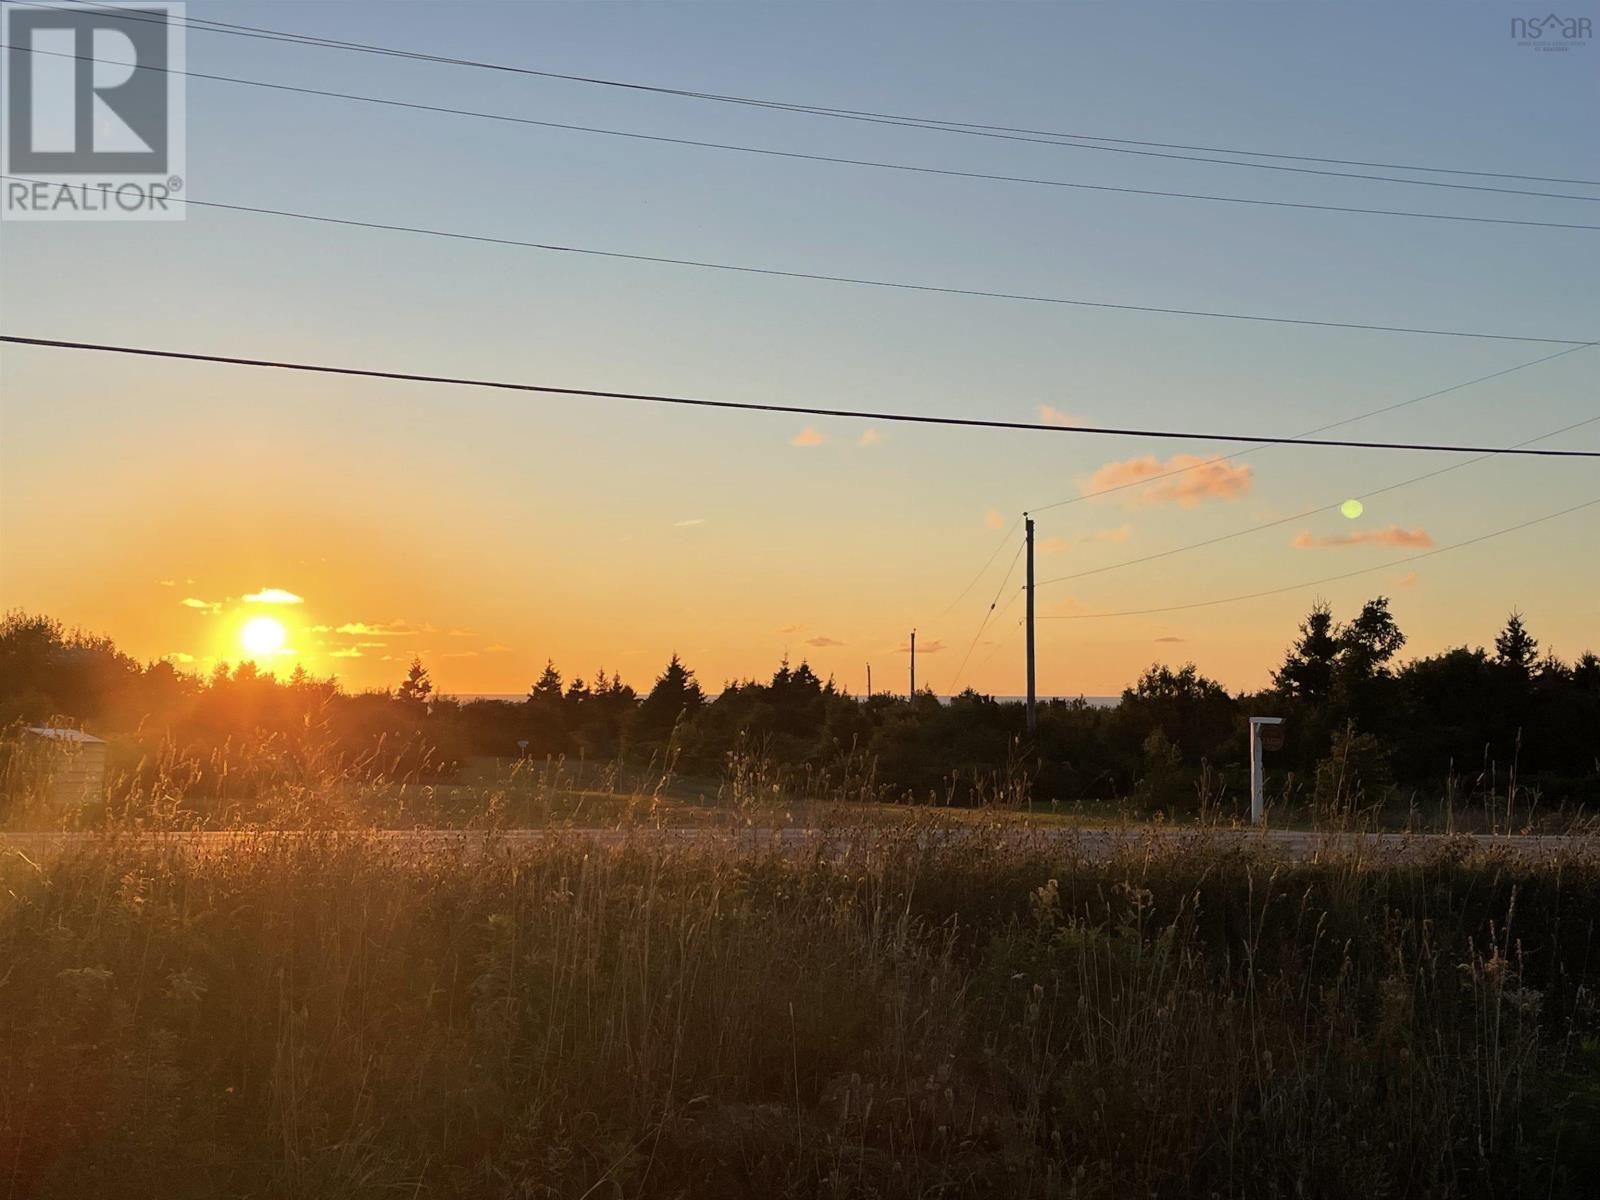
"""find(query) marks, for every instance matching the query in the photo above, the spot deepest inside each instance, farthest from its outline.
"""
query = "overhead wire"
(1386, 566)
(1300, 516)
(1145, 148)
(816, 276)
(774, 152)
(756, 406)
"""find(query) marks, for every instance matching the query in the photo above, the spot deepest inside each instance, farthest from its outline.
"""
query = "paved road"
(851, 841)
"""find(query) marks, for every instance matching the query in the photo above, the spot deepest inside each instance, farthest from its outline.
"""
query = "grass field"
(337, 1017)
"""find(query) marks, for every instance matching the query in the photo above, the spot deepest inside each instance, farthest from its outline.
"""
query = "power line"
(1004, 639)
(970, 129)
(984, 624)
(983, 570)
(990, 614)
(790, 409)
(854, 280)
(1387, 408)
(794, 155)
(1388, 566)
(1300, 516)
(1105, 491)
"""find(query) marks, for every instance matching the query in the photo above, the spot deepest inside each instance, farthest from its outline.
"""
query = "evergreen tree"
(676, 694)
(547, 690)
(547, 704)
(414, 691)
(1586, 672)
(1515, 647)
(1307, 671)
(578, 695)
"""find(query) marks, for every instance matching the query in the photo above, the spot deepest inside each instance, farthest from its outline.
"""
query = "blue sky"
(557, 527)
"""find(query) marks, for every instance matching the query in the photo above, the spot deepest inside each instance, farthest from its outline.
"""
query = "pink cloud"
(1392, 536)
(1184, 479)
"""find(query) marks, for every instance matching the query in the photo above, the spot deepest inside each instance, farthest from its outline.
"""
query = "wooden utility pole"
(913, 664)
(1033, 715)
(869, 681)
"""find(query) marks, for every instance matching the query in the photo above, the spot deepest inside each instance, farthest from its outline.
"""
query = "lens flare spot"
(262, 636)
(1352, 509)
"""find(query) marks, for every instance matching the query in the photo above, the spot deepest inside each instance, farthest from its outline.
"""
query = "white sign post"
(1257, 804)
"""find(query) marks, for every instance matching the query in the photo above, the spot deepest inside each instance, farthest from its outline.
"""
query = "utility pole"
(1033, 715)
(869, 681)
(913, 665)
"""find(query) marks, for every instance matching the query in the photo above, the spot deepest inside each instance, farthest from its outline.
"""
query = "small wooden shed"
(75, 761)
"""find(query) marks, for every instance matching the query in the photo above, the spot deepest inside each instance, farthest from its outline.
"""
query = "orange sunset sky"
(167, 503)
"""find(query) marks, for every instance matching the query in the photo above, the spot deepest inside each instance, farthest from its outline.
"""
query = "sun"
(262, 636)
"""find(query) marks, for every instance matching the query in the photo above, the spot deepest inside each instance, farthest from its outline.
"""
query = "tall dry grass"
(349, 1015)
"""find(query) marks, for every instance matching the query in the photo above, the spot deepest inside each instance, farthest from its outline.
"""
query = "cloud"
(460, 654)
(790, 628)
(691, 521)
(460, 633)
(929, 647)
(993, 520)
(1186, 480)
(1170, 639)
(388, 629)
(869, 437)
(1054, 545)
(809, 436)
(1120, 534)
(1392, 536)
(1407, 580)
(204, 605)
(272, 596)
(821, 642)
(1051, 415)
(497, 648)
(178, 656)
(167, 582)
(347, 652)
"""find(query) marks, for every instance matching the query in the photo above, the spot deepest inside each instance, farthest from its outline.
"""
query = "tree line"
(1360, 723)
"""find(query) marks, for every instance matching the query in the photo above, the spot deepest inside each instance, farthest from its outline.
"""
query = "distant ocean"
(1092, 701)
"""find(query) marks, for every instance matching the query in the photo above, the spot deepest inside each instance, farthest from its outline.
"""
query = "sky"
(168, 504)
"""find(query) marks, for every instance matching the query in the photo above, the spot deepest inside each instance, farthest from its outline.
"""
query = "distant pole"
(1033, 713)
(869, 681)
(913, 664)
